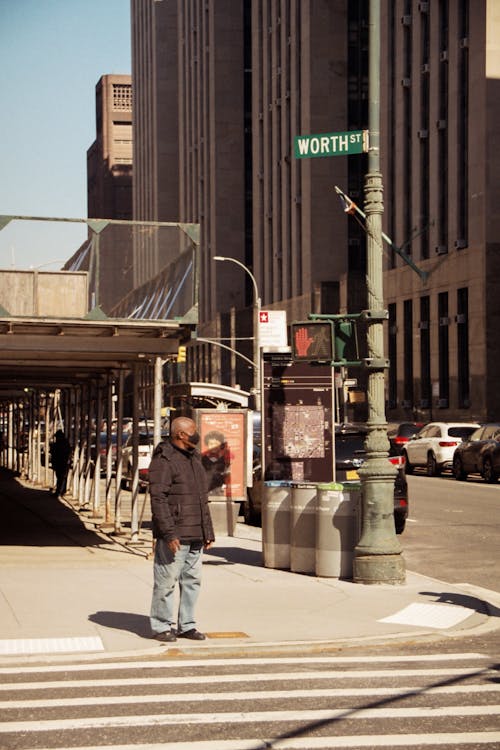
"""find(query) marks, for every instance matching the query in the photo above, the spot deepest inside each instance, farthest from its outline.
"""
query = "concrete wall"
(55, 294)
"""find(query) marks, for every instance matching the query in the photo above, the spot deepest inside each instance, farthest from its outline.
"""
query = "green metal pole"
(97, 251)
(378, 557)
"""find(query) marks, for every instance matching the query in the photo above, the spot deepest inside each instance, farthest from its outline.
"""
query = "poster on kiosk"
(223, 448)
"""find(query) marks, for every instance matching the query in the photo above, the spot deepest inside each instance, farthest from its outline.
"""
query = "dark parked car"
(479, 454)
(399, 434)
(349, 456)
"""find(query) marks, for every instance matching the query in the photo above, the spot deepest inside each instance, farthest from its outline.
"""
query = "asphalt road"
(437, 690)
(453, 532)
(312, 702)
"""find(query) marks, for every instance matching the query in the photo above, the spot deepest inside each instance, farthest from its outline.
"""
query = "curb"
(240, 650)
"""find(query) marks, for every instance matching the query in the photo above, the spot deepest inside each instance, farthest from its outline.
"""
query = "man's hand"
(174, 545)
(207, 545)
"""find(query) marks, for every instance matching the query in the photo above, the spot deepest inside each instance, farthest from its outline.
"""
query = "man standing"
(60, 454)
(182, 527)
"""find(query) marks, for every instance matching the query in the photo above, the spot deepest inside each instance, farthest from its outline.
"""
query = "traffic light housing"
(334, 341)
(346, 345)
(181, 354)
(312, 341)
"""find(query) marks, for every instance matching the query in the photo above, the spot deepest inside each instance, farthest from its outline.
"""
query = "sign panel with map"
(298, 420)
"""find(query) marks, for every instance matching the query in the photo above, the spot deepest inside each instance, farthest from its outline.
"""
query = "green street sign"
(331, 144)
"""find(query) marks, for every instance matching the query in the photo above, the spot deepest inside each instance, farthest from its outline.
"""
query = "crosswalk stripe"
(174, 662)
(104, 700)
(260, 677)
(317, 743)
(353, 713)
(373, 686)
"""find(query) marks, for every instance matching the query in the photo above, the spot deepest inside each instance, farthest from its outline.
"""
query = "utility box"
(297, 420)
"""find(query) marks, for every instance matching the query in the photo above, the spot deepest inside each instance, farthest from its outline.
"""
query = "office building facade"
(441, 170)
(236, 176)
(221, 89)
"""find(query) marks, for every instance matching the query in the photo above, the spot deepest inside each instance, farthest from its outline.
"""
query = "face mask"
(193, 439)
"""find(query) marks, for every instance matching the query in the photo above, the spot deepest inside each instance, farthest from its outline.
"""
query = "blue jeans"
(184, 568)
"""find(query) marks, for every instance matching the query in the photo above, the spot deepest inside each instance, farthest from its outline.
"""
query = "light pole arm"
(247, 270)
(256, 322)
(224, 346)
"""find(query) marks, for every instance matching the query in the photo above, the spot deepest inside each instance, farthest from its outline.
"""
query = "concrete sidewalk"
(67, 589)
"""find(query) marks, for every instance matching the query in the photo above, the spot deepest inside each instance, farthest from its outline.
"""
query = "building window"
(408, 352)
(462, 125)
(443, 339)
(248, 140)
(357, 118)
(122, 96)
(425, 354)
(408, 131)
(393, 357)
(463, 348)
(391, 124)
(442, 126)
(424, 134)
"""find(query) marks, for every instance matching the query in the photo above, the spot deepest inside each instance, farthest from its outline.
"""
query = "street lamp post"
(256, 324)
(377, 557)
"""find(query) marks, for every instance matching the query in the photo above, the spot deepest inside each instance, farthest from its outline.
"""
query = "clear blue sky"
(52, 53)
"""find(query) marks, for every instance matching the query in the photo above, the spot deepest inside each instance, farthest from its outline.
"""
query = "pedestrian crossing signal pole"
(377, 557)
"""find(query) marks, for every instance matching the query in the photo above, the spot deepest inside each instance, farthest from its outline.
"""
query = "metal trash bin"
(276, 525)
(303, 528)
(338, 527)
(224, 513)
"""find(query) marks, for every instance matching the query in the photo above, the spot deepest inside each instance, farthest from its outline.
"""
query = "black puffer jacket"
(179, 502)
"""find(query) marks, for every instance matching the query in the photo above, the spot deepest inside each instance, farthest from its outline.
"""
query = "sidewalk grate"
(49, 645)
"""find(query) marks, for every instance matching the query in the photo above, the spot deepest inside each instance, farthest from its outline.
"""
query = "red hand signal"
(302, 341)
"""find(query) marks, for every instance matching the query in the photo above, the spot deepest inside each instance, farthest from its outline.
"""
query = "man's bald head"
(181, 424)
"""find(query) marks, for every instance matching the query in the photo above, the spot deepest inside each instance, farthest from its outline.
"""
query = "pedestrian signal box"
(312, 341)
(346, 345)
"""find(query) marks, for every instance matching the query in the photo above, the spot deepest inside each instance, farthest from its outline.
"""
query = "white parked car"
(145, 440)
(433, 447)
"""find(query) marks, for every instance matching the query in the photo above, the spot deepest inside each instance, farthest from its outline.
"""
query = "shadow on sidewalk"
(232, 556)
(128, 621)
(463, 600)
(33, 517)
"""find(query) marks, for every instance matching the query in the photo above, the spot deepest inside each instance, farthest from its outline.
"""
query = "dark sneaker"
(167, 637)
(193, 635)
